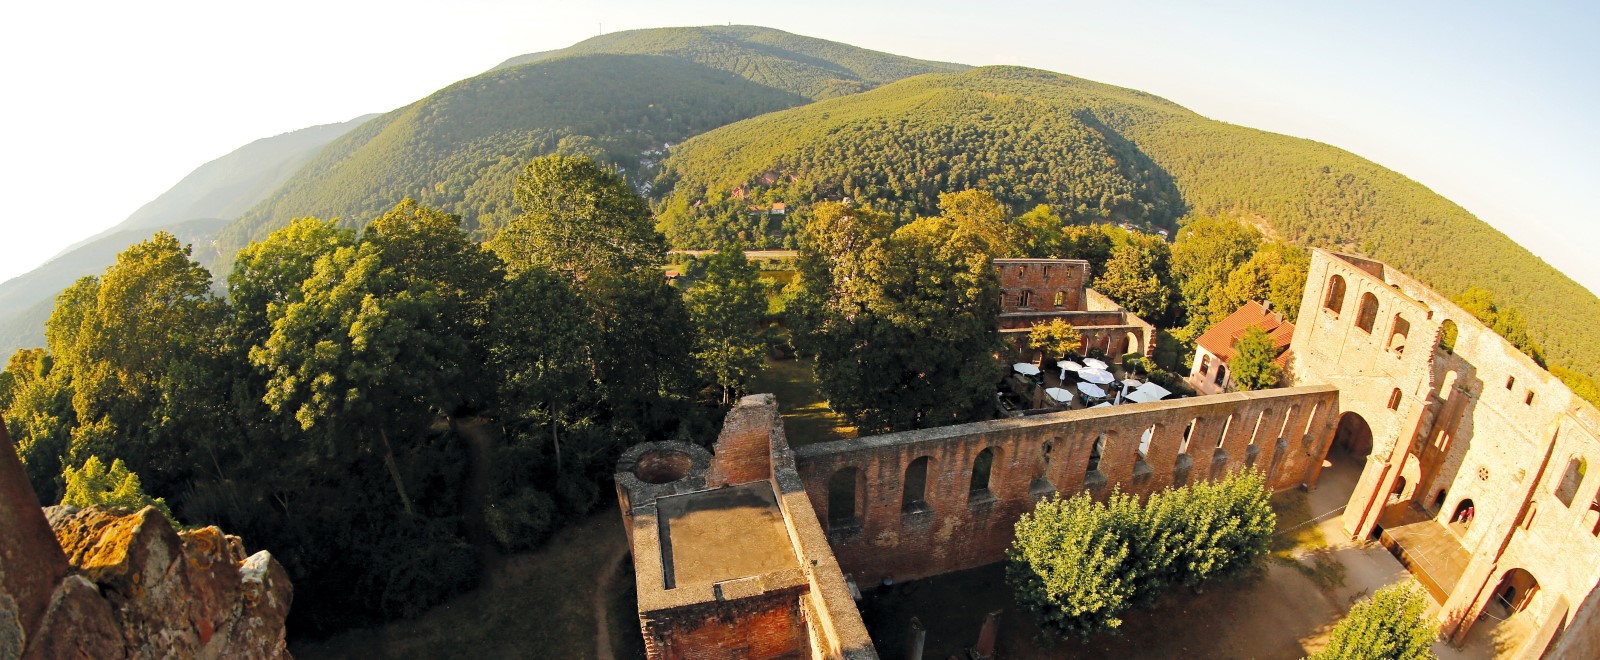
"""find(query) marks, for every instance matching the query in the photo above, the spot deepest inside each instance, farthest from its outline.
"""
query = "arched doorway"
(1517, 587)
(1353, 437)
(1464, 514)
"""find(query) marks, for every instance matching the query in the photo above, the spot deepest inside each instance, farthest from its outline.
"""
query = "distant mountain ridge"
(1107, 153)
(621, 98)
(194, 210)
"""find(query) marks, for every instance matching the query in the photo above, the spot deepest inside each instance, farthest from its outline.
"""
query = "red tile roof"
(1220, 339)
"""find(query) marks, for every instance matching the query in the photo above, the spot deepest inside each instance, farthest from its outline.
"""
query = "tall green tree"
(381, 343)
(1390, 625)
(539, 351)
(138, 348)
(1253, 363)
(727, 306)
(1133, 278)
(900, 322)
(1275, 273)
(1208, 250)
(577, 217)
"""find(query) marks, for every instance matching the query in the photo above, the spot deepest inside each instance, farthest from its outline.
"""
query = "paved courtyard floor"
(1282, 613)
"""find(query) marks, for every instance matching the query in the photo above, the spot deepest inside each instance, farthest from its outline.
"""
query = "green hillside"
(1102, 152)
(193, 209)
(621, 97)
(26, 300)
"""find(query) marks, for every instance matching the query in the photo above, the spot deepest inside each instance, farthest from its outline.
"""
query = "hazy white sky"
(108, 104)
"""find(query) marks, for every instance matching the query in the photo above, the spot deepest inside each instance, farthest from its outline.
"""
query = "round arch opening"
(1353, 436)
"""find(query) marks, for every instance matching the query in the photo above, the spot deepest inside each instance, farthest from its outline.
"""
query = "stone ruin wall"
(107, 583)
(1283, 432)
(1464, 426)
(796, 612)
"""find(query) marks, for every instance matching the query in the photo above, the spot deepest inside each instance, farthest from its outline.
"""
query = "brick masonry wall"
(1065, 276)
(770, 626)
(1283, 432)
(1464, 427)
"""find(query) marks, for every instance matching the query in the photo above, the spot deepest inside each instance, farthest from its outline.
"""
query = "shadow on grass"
(806, 417)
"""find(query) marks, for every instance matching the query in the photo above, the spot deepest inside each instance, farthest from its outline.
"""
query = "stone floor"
(723, 534)
(1433, 552)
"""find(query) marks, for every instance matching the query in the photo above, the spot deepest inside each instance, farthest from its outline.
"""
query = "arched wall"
(959, 529)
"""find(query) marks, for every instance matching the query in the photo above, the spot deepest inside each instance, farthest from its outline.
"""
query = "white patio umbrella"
(1131, 382)
(1094, 364)
(1101, 405)
(1025, 369)
(1067, 365)
(1147, 393)
(1096, 376)
(1058, 394)
(1092, 390)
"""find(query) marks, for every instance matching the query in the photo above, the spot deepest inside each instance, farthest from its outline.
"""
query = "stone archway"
(1353, 437)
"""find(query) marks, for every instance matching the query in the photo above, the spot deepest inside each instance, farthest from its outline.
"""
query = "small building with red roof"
(1210, 374)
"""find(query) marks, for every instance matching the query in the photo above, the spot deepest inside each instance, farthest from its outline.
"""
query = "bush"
(1079, 564)
(1391, 625)
(521, 522)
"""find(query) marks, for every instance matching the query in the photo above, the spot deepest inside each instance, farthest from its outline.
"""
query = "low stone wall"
(955, 526)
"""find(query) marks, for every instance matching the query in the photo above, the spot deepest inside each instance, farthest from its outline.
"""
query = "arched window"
(1223, 436)
(980, 471)
(842, 497)
(1397, 334)
(1144, 441)
(1394, 399)
(1183, 448)
(1222, 375)
(1368, 316)
(1571, 479)
(1447, 335)
(1095, 452)
(913, 496)
(1335, 299)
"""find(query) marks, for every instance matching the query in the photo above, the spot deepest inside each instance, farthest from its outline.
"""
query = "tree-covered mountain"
(622, 98)
(193, 210)
(1101, 152)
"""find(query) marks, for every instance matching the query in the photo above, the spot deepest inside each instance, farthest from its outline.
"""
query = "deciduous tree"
(727, 306)
(1253, 363)
(577, 217)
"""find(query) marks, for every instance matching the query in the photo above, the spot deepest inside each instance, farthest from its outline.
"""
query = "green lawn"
(539, 604)
(806, 417)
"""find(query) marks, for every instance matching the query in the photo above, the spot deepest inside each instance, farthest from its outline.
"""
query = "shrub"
(1079, 564)
(1390, 625)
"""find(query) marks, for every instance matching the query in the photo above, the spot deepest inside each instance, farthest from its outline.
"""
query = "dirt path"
(600, 600)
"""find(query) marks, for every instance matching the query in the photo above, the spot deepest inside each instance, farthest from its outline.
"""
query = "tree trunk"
(555, 437)
(394, 472)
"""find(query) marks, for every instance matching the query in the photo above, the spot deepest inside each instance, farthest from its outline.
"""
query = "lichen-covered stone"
(79, 624)
(143, 590)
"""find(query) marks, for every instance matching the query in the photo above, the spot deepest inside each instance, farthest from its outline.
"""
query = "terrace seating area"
(1072, 383)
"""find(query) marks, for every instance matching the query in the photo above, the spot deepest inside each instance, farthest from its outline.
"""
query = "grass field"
(806, 417)
(539, 604)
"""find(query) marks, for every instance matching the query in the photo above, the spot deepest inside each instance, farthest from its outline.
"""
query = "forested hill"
(813, 68)
(1103, 152)
(193, 209)
(620, 97)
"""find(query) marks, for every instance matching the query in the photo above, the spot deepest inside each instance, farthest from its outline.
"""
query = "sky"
(108, 104)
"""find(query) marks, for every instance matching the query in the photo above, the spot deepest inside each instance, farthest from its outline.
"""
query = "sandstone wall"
(1476, 422)
(124, 584)
(955, 526)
